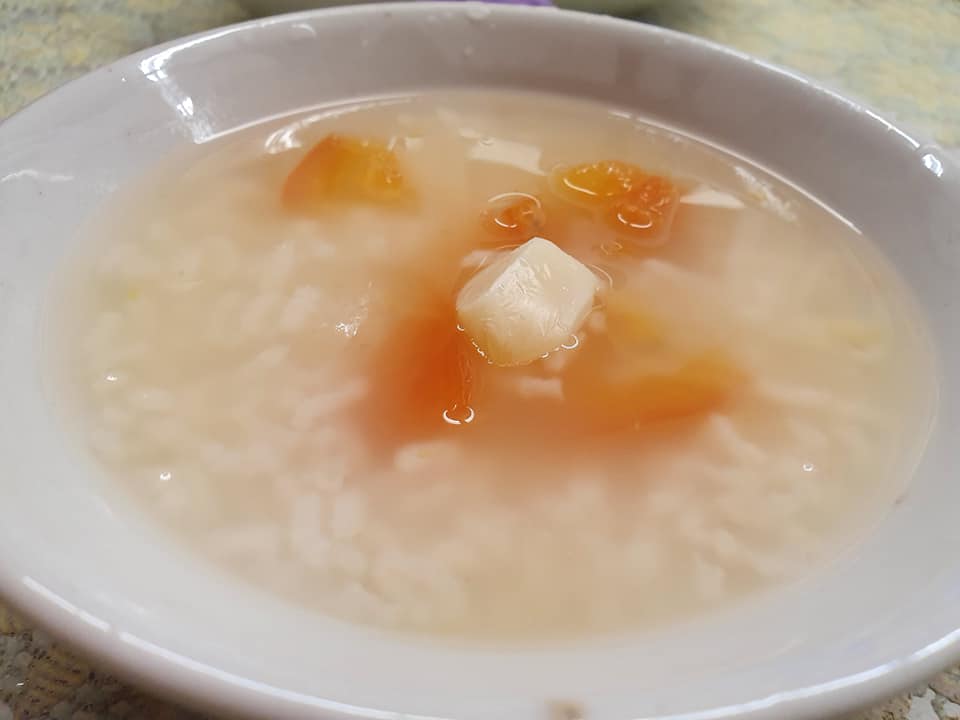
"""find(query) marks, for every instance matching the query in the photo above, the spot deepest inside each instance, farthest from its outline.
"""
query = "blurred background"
(900, 56)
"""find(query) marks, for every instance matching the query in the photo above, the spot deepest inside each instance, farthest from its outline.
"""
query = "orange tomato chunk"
(637, 205)
(612, 390)
(343, 169)
(423, 377)
(630, 326)
(595, 184)
(701, 385)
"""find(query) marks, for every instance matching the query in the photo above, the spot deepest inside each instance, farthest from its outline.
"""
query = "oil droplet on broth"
(611, 247)
(514, 214)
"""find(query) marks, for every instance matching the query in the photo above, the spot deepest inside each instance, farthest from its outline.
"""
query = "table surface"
(901, 57)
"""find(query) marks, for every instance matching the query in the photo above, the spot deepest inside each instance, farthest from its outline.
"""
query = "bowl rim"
(167, 672)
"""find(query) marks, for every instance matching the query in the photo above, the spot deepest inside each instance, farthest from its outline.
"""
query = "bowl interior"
(75, 557)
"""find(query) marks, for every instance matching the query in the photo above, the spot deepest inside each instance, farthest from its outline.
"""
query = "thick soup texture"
(493, 365)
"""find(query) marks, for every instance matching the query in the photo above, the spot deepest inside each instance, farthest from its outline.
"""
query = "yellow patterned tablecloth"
(902, 56)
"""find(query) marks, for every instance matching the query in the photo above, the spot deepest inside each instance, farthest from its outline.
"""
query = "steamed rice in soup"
(493, 365)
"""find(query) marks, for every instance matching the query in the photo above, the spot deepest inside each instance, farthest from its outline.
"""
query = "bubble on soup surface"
(515, 215)
(646, 211)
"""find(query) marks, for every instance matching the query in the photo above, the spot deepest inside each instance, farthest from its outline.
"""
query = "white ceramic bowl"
(79, 561)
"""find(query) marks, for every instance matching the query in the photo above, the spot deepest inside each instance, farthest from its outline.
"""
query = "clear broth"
(236, 366)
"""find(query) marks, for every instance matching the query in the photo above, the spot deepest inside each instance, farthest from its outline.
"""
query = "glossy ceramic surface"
(76, 559)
